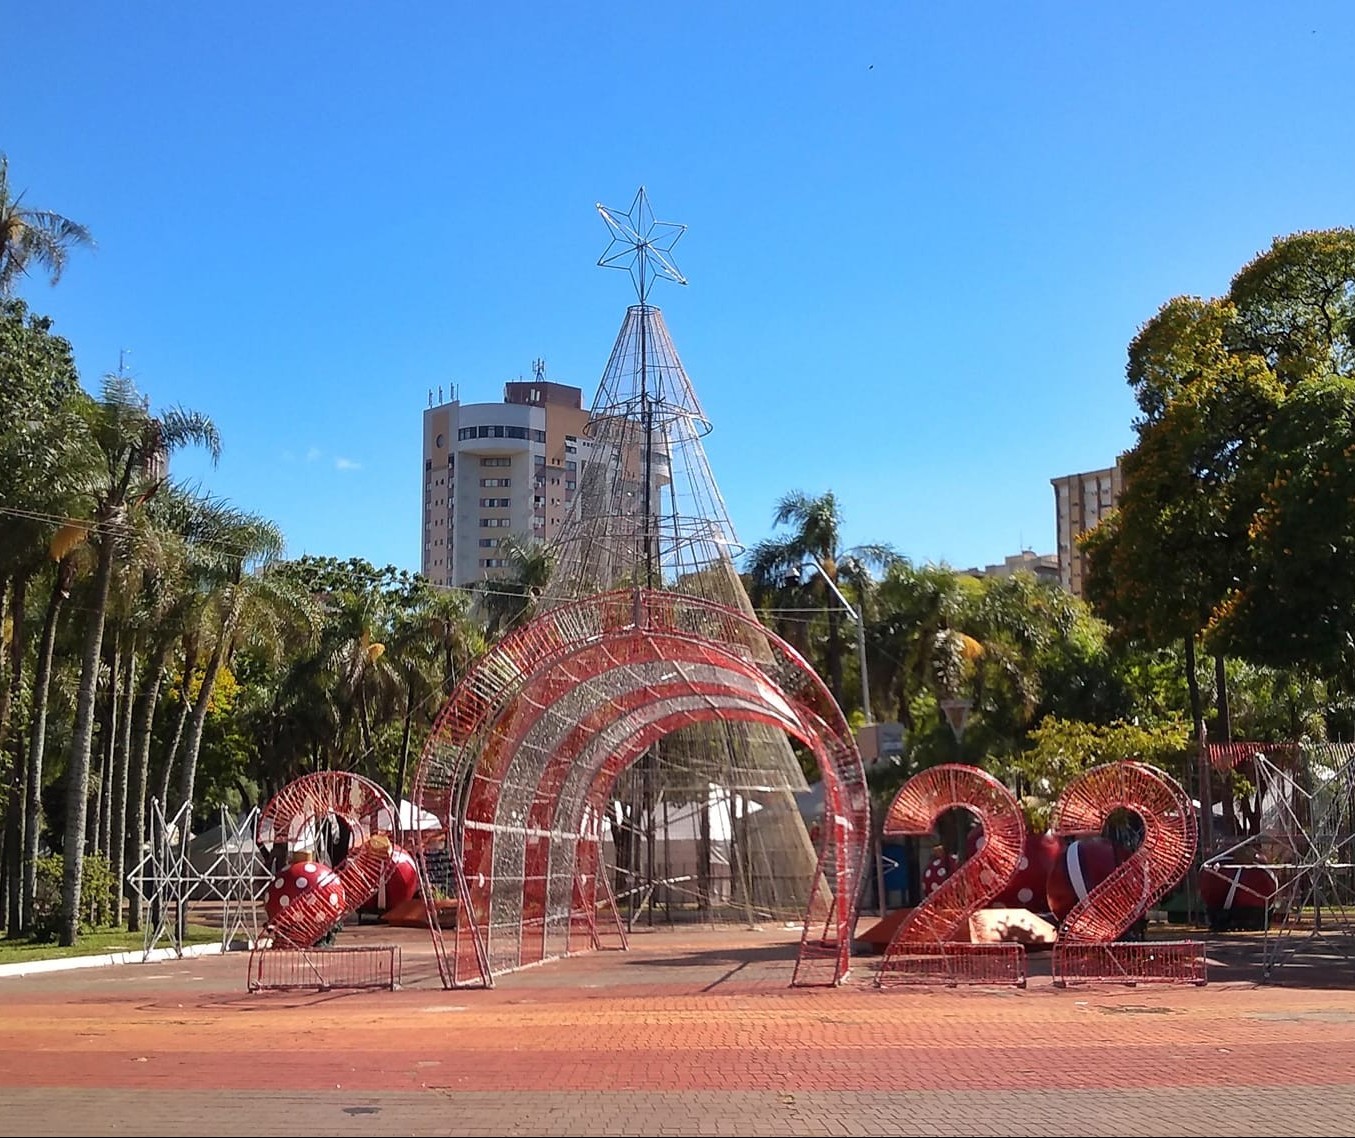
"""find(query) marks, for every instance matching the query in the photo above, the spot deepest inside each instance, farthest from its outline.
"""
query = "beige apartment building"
(1045, 566)
(1080, 501)
(495, 469)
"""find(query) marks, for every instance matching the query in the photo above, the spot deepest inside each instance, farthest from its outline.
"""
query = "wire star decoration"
(641, 245)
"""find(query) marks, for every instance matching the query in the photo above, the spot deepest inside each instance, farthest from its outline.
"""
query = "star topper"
(641, 245)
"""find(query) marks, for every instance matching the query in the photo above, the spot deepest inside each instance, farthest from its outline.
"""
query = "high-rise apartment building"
(495, 469)
(1080, 501)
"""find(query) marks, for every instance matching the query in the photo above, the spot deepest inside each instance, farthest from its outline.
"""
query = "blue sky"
(920, 235)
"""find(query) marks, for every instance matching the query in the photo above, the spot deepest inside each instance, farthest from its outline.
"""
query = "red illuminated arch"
(535, 735)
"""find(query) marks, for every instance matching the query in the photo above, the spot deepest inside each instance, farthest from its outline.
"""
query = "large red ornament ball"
(1237, 887)
(402, 881)
(1078, 870)
(1026, 889)
(938, 872)
(306, 893)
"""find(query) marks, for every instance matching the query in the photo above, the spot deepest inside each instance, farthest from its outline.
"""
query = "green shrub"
(96, 896)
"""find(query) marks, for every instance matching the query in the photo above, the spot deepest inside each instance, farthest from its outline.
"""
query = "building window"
(569, 484)
(497, 460)
(488, 542)
(492, 483)
(495, 503)
(494, 523)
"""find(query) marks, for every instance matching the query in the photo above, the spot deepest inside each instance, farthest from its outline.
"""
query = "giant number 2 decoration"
(1161, 860)
(944, 916)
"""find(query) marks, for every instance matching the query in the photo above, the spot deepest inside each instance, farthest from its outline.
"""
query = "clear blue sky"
(920, 235)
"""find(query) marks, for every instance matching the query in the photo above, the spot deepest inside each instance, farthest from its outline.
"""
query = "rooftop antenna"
(539, 370)
(123, 353)
(430, 397)
(644, 248)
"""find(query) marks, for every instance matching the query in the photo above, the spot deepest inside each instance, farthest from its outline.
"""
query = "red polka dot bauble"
(938, 871)
(1079, 869)
(305, 897)
(1026, 888)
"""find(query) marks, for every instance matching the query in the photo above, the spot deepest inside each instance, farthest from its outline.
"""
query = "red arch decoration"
(293, 816)
(526, 749)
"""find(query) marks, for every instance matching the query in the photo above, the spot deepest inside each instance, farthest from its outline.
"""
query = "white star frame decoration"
(640, 245)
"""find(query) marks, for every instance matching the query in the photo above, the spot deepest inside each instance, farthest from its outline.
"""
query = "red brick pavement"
(688, 1033)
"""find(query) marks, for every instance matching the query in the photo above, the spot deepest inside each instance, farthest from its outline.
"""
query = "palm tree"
(816, 539)
(32, 238)
(250, 600)
(920, 607)
(163, 578)
(508, 600)
(133, 448)
(433, 642)
(361, 667)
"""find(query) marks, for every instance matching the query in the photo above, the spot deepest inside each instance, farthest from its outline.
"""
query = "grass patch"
(14, 950)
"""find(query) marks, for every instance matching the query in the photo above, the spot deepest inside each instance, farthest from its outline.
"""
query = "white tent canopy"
(411, 818)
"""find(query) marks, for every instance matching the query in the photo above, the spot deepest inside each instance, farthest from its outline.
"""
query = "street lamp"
(859, 618)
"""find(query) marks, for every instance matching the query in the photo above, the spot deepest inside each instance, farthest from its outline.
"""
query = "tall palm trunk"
(1225, 731)
(1193, 686)
(365, 726)
(403, 769)
(121, 759)
(109, 744)
(188, 773)
(82, 736)
(835, 652)
(190, 665)
(37, 741)
(14, 816)
(4, 688)
(142, 718)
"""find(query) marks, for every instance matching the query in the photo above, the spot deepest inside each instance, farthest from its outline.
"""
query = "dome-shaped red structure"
(402, 882)
(1237, 896)
(1077, 870)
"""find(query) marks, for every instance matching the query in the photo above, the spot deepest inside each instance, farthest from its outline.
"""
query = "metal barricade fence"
(324, 969)
(1130, 962)
(953, 964)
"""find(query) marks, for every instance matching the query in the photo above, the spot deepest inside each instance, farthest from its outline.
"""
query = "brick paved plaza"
(689, 1033)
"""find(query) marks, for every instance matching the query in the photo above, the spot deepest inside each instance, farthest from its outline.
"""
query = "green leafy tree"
(1235, 499)
(1162, 563)
(1062, 749)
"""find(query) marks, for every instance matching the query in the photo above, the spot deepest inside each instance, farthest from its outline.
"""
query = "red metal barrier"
(1130, 962)
(323, 969)
(953, 964)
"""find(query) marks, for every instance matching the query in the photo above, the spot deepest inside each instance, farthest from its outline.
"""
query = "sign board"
(880, 741)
